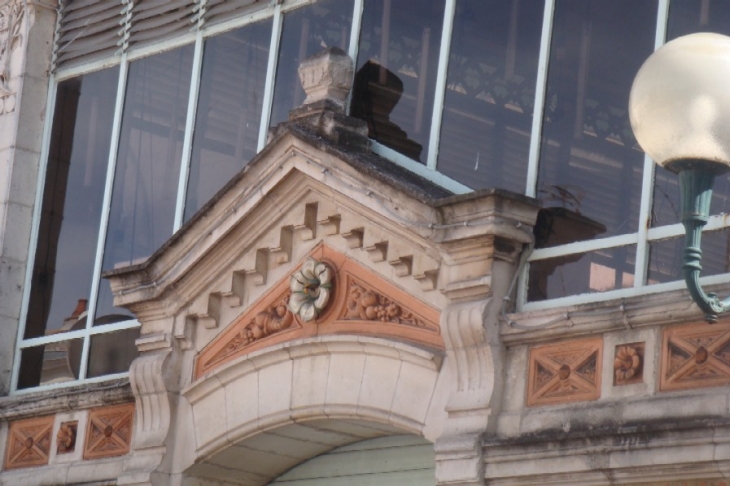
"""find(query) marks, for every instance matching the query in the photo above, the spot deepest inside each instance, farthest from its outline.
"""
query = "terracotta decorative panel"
(29, 443)
(695, 356)
(361, 302)
(628, 364)
(66, 437)
(109, 431)
(565, 372)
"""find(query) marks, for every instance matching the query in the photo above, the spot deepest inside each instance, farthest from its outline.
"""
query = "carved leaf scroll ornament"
(272, 320)
(368, 305)
(311, 289)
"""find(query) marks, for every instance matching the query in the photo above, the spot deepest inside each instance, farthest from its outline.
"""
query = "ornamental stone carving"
(310, 287)
(66, 437)
(109, 432)
(11, 39)
(628, 364)
(29, 443)
(695, 356)
(565, 372)
(368, 305)
(325, 302)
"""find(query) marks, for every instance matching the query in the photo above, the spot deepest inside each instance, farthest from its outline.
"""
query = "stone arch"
(256, 413)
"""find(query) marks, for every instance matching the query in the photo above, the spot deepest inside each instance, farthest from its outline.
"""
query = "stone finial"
(327, 79)
(328, 76)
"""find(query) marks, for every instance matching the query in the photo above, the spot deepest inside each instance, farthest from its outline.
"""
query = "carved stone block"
(628, 364)
(29, 443)
(66, 437)
(109, 431)
(695, 356)
(565, 372)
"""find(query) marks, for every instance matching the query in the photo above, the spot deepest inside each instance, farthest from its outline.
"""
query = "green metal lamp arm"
(696, 193)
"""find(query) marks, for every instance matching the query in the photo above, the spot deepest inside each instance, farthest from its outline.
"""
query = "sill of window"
(35, 403)
(634, 312)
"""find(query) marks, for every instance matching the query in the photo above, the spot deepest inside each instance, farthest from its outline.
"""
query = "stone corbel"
(476, 360)
(154, 391)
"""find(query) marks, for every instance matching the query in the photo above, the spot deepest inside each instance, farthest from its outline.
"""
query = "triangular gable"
(362, 303)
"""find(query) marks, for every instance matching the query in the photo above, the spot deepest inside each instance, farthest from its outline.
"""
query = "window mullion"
(540, 89)
(270, 78)
(188, 137)
(440, 89)
(35, 225)
(647, 184)
(354, 47)
(106, 205)
(536, 131)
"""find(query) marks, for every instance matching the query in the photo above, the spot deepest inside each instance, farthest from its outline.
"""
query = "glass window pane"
(490, 91)
(74, 188)
(229, 110)
(665, 257)
(306, 31)
(112, 352)
(142, 211)
(597, 271)
(49, 364)
(688, 17)
(396, 72)
(590, 163)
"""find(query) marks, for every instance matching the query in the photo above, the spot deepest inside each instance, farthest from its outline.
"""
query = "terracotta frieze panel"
(565, 372)
(695, 356)
(360, 302)
(628, 364)
(109, 431)
(29, 443)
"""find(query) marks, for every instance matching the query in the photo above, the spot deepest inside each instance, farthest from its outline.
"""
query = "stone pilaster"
(26, 39)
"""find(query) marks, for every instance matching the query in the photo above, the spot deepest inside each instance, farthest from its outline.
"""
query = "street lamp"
(680, 113)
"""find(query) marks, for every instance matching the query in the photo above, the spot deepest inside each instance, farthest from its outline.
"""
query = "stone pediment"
(300, 191)
(360, 303)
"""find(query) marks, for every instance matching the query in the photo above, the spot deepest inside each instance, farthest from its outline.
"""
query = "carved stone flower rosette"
(311, 289)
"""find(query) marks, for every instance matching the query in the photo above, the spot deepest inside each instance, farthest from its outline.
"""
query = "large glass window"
(503, 62)
(144, 195)
(63, 270)
(590, 166)
(490, 93)
(229, 110)
(396, 72)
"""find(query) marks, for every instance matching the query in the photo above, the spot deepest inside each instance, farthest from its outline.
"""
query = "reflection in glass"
(142, 211)
(490, 90)
(50, 363)
(74, 188)
(590, 162)
(229, 110)
(306, 31)
(598, 271)
(665, 257)
(396, 72)
(112, 352)
(688, 17)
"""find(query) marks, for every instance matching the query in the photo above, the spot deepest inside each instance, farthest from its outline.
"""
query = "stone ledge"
(34, 404)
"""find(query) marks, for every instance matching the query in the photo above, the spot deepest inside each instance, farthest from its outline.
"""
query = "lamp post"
(680, 113)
